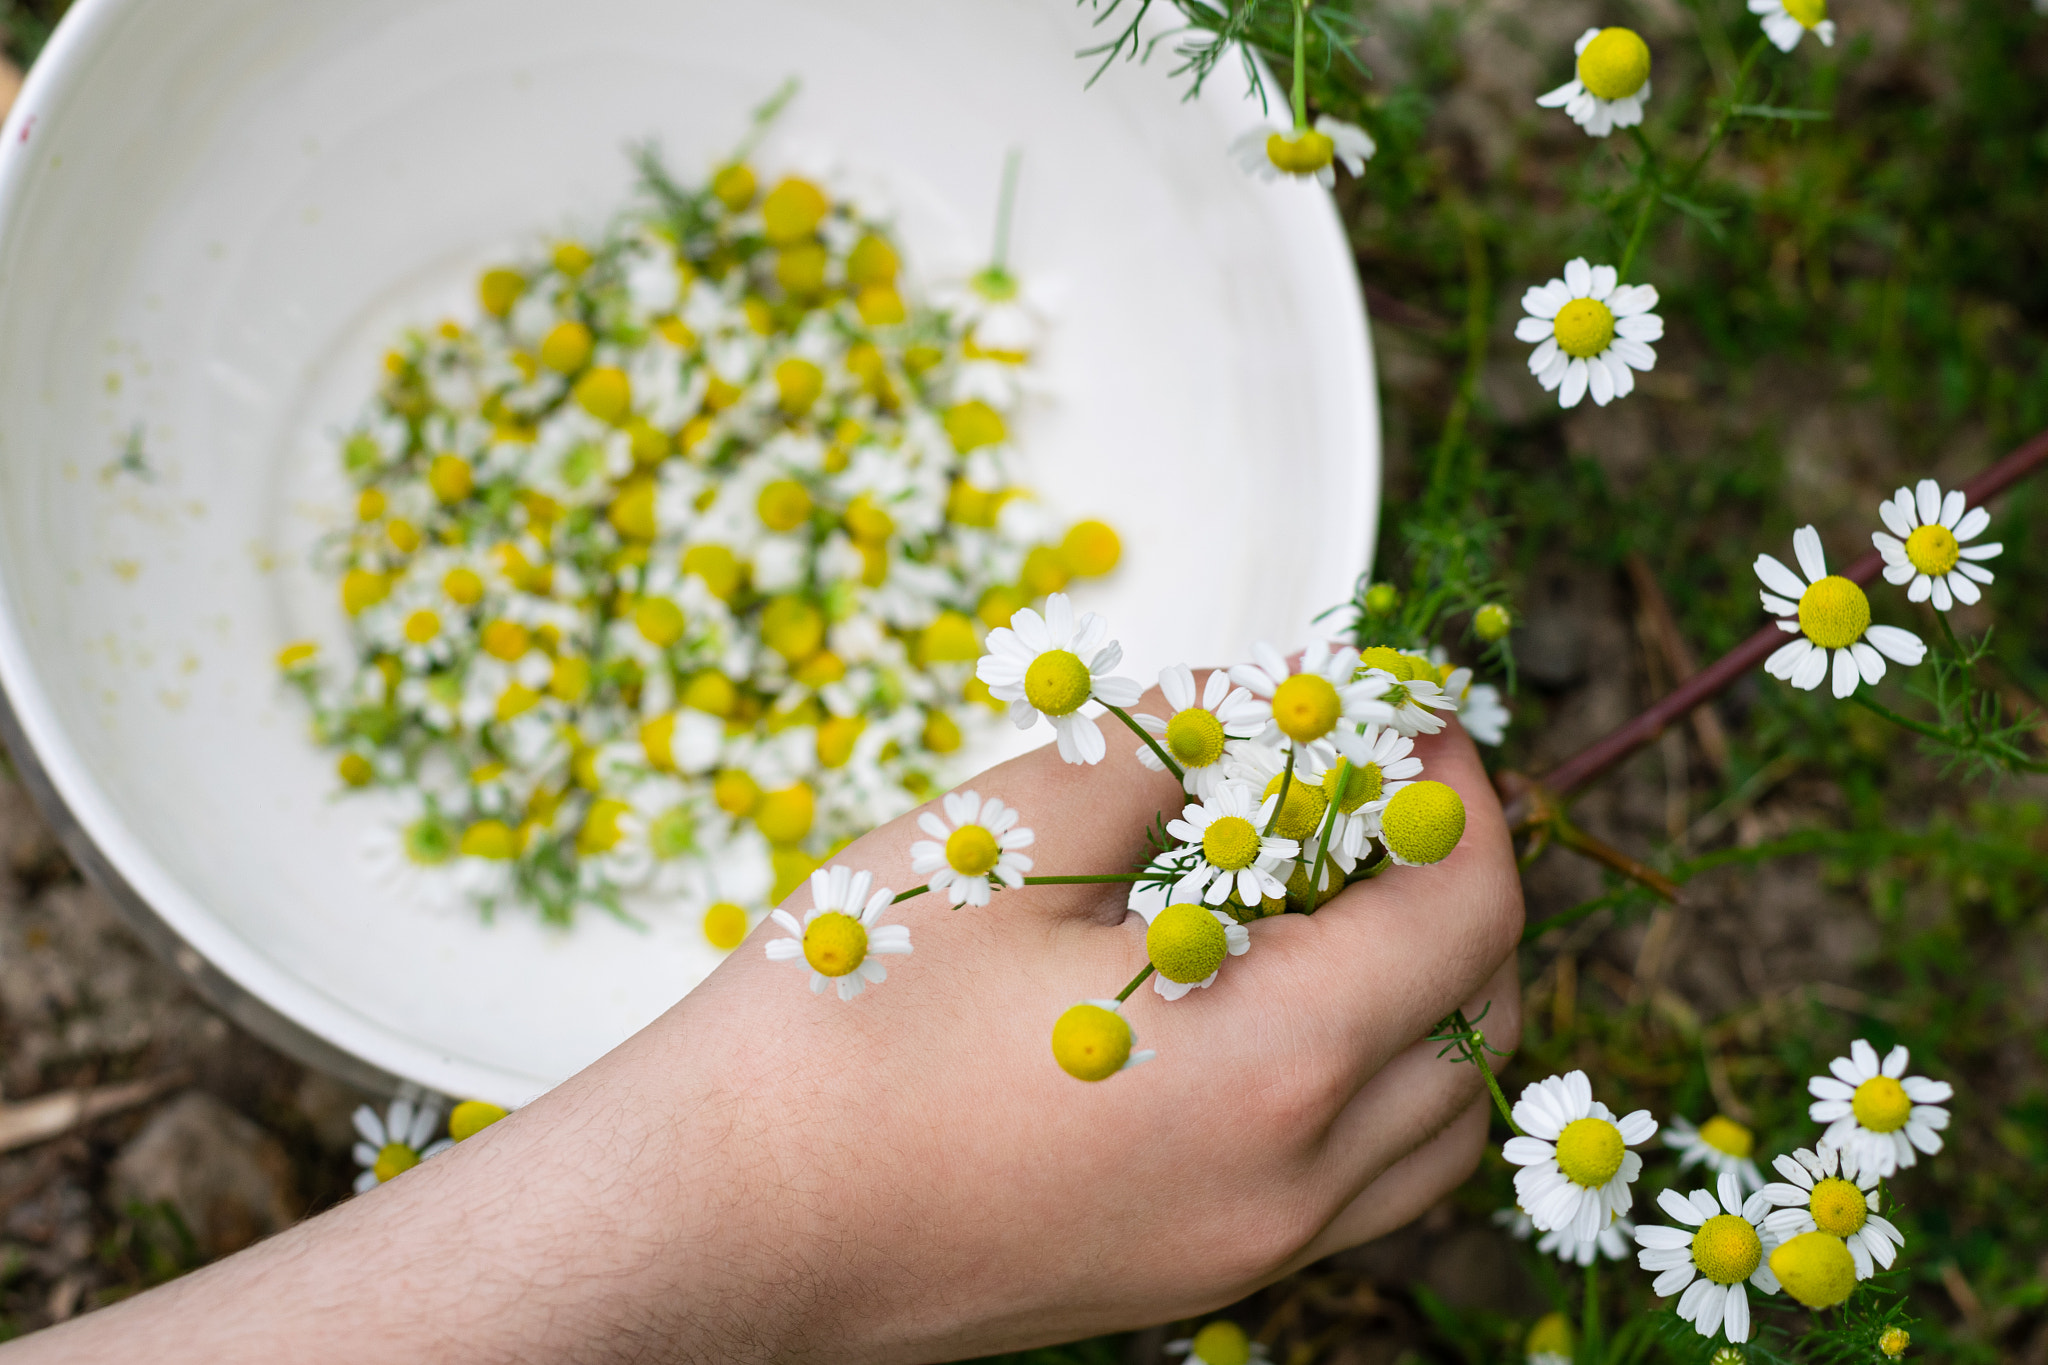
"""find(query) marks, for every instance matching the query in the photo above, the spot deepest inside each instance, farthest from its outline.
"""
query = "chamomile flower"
(1823, 1191)
(1377, 766)
(975, 844)
(1315, 704)
(1927, 545)
(1052, 666)
(1611, 82)
(1092, 1041)
(1576, 1166)
(1186, 945)
(1221, 1342)
(1483, 714)
(416, 855)
(1234, 855)
(1721, 1144)
(1830, 615)
(1719, 1249)
(840, 937)
(1414, 692)
(1198, 733)
(1786, 21)
(1876, 1114)
(396, 1142)
(1593, 333)
(1304, 153)
(1422, 824)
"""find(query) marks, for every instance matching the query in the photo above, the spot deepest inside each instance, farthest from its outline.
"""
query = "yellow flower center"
(793, 628)
(492, 839)
(798, 383)
(1221, 1343)
(422, 626)
(1895, 1341)
(785, 816)
(463, 586)
(1726, 1249)
(1231, 843)
(1091, 1043)
(1057, 682)
(1362, 783)
(1809, 13)
(792, 211)
(1834, 613)
(1583, 328)
(1881, 1105)
(1552, 1335)
(783, 505)
(567, 348)
(429, 843)
(974, 424)
(1302, 153)
(835, 944)
(507, 640)
(471, 1117)
(1306, 707)
(1302, 812)
(395, 1158)
(1589, 1150)
(1815, 1268)
(1724, 1134)
(1186, 943)
(1838, 1207)
(1615, 64)
(1423, 822)
(601, 831)
(1092, 548)
(497, 290)
(1932, 549)
(450, 477)
(725, 926)
(1194, 737)
(971, 851)
(659, 621)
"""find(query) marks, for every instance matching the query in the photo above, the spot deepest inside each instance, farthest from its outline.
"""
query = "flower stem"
(1589, 1318)
(1300, 67)
(1500, 1101)
(1652, 190)
(1006, 204)
(1903, 722)
(1136, 982)
(1286, 781)
(1315, 876)
(1142, 733)
(902, 896)
(1471, 1044)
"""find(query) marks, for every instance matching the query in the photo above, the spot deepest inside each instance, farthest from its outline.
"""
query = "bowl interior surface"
(216, 214)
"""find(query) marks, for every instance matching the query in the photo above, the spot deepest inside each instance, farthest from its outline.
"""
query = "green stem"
(1006, 203)
(1300, 66)
(1286, 781)
(1136, 982)
(1142, 733)
(902, 896)
(1500, 1101)
(1917, 727)
(1948, 633)
(1315, 876)
(1589, 1330)
(1652, 181)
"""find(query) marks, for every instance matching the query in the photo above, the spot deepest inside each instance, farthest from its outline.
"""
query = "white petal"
(1600, 382)
(1543, 301)
(1952, 508)
(1927, 501)
(1736, 1321)
(1784, 663)
(1965, 591)
(1534, 329)
(1811, 670)
(1574, 384)
(1578, 277)
(1902, 646)
(1868, 663)
(1604, 280)
(1640, 327)
(1937, 588)
(1678, 1206)
(1778, 578)
(1973, 523)
(1806, 546)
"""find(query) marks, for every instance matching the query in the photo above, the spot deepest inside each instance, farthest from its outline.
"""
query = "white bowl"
(215, 213)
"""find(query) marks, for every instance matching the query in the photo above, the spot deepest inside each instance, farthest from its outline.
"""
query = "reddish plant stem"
(1719, 676)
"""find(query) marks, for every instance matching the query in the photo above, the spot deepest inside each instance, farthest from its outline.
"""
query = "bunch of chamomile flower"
(1300, 777)
(1815, 1234)
(668, 572)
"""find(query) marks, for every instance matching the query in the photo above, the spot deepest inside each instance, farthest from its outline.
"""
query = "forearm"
(590, 1226)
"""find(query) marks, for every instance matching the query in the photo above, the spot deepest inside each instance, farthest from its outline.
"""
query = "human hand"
(765, 1173)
